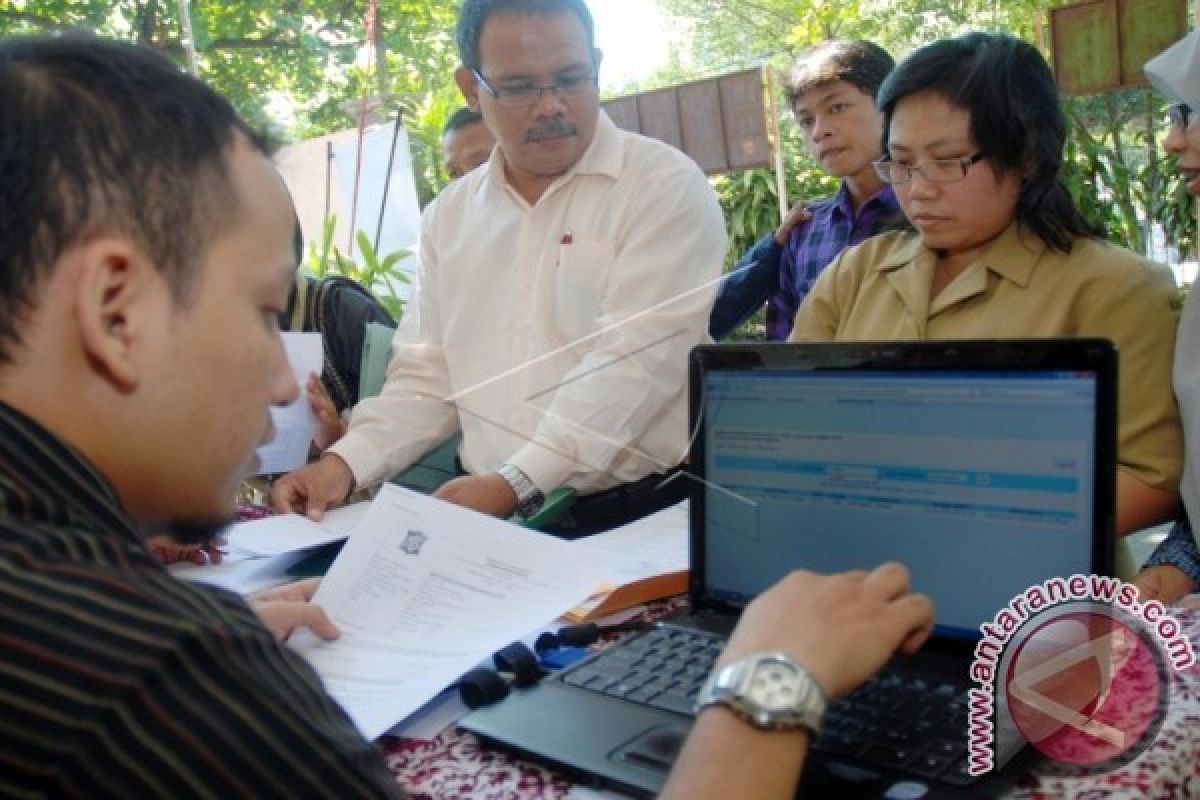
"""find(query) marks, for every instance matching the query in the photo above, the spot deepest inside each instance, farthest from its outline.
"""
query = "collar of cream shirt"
(1013, 255)
(602, 157)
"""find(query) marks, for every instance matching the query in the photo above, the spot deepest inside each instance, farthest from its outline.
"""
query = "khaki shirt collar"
(1013, 255)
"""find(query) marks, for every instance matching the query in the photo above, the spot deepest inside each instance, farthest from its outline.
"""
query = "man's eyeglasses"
(1180, 114)
(565, 87)
(939, 170)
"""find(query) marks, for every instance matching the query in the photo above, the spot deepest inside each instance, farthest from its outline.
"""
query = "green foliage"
(269, 55)
(1115, 167)
(424, 123)
(380, 275)
(309, 56)
(1118, 174)
(727, 34)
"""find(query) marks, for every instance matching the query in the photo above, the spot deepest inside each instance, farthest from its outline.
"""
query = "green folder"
(377, 351)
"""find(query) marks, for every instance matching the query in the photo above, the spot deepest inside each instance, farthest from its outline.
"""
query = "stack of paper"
(642, 561)
(259, 552)
(422, 592)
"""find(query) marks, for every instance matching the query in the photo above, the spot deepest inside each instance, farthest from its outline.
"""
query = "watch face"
(773, 686)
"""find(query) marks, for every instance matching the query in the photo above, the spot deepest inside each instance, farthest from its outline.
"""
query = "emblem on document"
(413, 542)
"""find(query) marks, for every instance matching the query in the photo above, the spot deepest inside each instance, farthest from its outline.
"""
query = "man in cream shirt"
(559, 290)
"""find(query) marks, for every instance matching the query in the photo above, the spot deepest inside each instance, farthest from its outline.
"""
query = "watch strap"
(529, 496)
(728, 686)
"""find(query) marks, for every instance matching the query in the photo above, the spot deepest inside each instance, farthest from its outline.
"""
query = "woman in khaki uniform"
(974, 140)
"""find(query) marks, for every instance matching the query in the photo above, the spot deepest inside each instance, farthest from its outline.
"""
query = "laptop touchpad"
(656, 748)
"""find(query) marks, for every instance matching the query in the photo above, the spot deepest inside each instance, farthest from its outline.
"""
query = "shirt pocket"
(584, 268)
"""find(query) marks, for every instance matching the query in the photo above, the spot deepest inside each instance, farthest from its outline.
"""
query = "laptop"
(984, 466)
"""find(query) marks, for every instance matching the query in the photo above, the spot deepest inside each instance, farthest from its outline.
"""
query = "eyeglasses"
(565, 87)
(939, 170)
(1180, 114)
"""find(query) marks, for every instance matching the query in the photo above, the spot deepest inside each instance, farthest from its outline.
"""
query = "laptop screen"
(981, 482)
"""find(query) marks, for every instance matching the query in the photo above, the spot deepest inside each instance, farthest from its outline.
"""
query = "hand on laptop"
(314, 489)
(843, 628)
(286, 608)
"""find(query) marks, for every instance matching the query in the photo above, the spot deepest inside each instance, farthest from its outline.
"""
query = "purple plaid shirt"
(815, 243)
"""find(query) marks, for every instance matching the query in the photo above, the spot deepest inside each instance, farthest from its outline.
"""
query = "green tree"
(1116, 169)
(303, 56)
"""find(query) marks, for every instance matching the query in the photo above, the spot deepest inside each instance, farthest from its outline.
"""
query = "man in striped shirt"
(145, 255)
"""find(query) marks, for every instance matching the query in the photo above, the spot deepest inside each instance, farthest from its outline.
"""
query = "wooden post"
(189, 37)
(777, 140)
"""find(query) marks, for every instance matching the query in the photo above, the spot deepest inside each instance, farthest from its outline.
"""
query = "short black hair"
(859, 63)
(462, 118)
(1017, 121)
(99, 136)
(473, 14)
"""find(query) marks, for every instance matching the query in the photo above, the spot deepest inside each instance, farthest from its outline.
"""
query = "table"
(456, 765)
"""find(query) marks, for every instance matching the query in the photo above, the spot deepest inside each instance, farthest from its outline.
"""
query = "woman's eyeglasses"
(938, 170)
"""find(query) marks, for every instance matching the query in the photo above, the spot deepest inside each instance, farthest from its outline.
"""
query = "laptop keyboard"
(662, 668)
(898, 720)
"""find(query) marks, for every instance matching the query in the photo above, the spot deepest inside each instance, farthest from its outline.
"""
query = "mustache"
(551, 129)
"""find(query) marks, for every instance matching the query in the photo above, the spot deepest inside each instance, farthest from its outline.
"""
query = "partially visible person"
(832, 94)
(338, 308)
(840, 630)
(1173, 569)
(975, 136)
(145, 256)
(466, 142)
(559, 290)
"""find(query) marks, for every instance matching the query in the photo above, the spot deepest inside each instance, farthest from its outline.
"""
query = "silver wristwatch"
(771, 691)
(529, 496)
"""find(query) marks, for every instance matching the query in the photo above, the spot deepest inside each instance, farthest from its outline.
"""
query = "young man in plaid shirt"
(832, 94)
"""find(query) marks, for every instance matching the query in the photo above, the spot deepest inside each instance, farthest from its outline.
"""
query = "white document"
(425, 590)
(289, 533)
(239, 572)
(294, 423)
(653, 545)
(257, 556)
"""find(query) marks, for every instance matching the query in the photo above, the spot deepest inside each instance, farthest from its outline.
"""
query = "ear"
(597, 57)
(469, 86)
(117, 294)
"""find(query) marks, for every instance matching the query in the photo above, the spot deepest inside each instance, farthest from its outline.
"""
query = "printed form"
(422, 592)
(259, 552)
